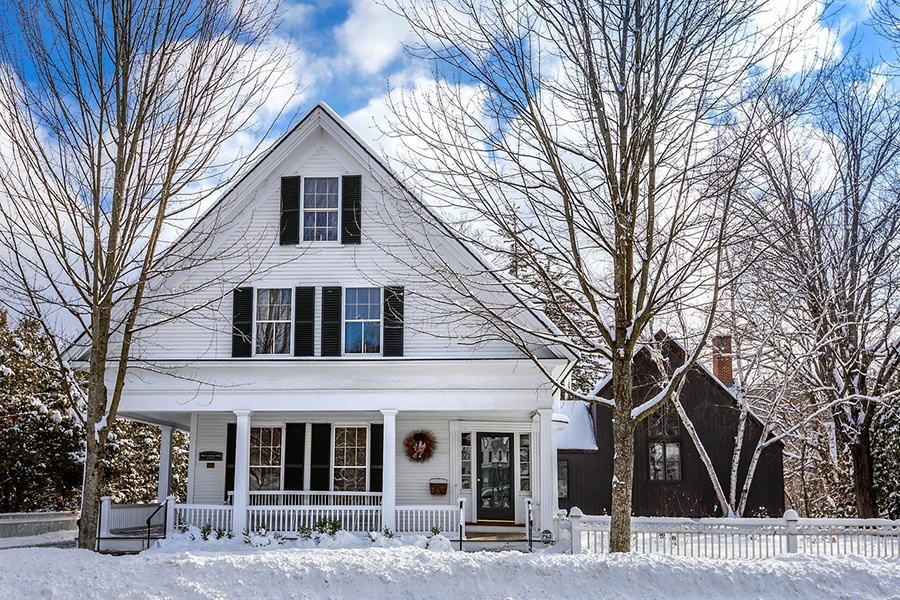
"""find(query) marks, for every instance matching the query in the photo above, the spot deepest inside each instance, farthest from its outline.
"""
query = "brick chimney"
(722, 359)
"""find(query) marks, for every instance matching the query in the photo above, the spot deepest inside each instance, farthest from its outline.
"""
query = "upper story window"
(283, 322)
(273, 321)
(664, 447)
(320, 209)
(663, 422)
(362, 321)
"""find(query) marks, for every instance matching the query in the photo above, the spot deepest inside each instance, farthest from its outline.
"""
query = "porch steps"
(494, 537)
(128, 540)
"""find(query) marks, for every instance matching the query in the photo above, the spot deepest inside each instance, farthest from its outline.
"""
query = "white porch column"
(165, 462)
(389, 458)
(241, 471)
(547, 496)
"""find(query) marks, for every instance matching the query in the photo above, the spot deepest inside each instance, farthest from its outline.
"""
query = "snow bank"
(411, 572)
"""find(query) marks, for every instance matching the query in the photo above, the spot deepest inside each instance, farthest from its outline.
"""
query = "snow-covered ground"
(232, 569)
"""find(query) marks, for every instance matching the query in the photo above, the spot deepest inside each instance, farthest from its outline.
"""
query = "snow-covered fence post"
(791, 518)
(575, 515)
(105, 509)
(170, 515)
(560, 515)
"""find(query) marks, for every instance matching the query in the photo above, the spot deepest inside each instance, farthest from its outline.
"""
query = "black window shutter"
(393, 322)
(294, 444)
(320, 457)
(230, 444)
(289, 230)
(242, 323)
(376, 459)
(331, 321)
(351, 209)
(304, 321)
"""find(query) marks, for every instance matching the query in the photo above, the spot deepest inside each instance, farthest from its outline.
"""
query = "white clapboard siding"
(209, 484)
(206, 333)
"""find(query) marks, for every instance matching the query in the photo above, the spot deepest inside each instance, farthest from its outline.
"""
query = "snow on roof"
(579, 435)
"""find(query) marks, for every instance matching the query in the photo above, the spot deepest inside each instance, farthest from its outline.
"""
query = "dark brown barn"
(670, 479)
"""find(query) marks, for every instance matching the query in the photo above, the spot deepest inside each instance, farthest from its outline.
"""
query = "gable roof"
(680, 350)
(319, 112)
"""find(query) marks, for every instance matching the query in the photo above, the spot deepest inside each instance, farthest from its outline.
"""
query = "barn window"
(562, 478)
(664, 447)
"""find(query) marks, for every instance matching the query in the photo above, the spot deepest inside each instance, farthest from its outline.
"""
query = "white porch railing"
(291, 518)
(287, 498)
(739, 538)
(215, 515)
(426, 518)
(357, 519)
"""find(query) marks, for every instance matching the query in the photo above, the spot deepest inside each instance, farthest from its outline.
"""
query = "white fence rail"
(739, 538)
(198, 515)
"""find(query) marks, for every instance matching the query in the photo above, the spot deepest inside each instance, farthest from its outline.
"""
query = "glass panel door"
(495, 480)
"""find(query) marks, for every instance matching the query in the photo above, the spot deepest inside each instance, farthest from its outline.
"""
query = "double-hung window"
(664, 445)
(273, 321)
(350, 463)
(320, 209)
(362, 321)
(265, 458)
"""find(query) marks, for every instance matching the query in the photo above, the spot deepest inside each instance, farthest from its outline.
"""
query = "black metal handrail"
(153, 514)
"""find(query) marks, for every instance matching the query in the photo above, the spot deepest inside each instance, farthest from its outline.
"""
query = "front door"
(495, 477)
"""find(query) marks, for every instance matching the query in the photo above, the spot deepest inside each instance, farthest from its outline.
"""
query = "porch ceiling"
(179, 420)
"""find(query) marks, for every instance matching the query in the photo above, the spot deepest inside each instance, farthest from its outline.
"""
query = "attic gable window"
(320, 209)
(273, 321)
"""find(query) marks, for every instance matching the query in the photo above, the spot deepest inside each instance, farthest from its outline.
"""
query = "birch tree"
(120, 120)
(596, 144)
(828, 199)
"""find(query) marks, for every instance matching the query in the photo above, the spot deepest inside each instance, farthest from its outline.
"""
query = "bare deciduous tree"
(595, 145)
(120, 120)
(828, 212)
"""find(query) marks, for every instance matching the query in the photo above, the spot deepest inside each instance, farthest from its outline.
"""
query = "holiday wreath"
(419, 445)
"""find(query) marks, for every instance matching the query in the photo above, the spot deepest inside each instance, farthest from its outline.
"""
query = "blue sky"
(351, 51)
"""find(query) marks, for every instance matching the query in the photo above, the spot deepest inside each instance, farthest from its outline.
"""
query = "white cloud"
(372, 36)
(795, 36)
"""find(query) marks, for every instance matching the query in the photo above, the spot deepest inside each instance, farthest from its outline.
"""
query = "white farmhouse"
(319, 347)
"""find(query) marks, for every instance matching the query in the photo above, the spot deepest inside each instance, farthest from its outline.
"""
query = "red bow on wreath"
(419, 445)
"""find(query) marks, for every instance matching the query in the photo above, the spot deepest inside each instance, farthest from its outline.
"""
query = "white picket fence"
(738, 538)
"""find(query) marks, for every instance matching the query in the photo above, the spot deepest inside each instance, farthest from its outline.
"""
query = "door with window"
(495, 489)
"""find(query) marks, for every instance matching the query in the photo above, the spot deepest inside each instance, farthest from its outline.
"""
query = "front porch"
(288, 471)
(130, 527)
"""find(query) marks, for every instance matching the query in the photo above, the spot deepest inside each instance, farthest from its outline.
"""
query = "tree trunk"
(863, 480)
(623, 456)
(90, 498)
(95, 430)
